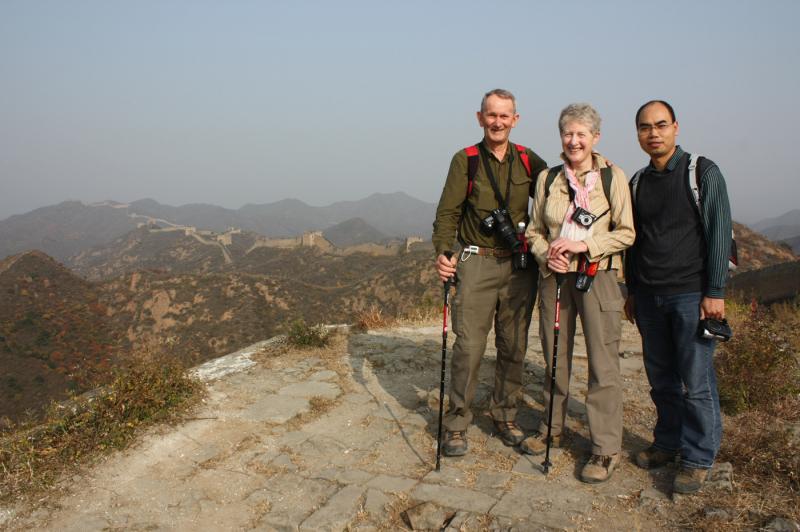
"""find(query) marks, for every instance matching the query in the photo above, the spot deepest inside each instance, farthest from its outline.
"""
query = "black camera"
(586, 273)
(583, 217)
(712, 329)
(499, 221)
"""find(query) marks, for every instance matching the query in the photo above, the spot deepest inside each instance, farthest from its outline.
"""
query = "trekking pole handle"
(451, 281)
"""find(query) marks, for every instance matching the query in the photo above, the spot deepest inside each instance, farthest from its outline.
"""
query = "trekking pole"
(447, 285)
(556, 327)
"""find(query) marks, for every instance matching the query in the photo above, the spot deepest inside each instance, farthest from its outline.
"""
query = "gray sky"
(255, 101)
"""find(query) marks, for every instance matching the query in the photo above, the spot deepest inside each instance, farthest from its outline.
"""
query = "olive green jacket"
(453, 219)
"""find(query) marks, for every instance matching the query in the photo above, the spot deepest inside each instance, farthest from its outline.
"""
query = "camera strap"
(603, 214)
(500, 200)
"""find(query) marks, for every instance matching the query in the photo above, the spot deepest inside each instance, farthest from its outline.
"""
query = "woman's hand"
(559, 263)
(560, 246)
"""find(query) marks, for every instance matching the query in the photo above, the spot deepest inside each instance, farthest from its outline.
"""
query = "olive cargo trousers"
(489, 292)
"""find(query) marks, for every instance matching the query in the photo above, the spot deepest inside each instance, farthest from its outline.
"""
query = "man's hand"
(712, 307)
(446, 268)
(560, 246)
(630, 309)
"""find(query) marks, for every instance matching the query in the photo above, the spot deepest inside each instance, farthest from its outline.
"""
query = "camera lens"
(505, 230)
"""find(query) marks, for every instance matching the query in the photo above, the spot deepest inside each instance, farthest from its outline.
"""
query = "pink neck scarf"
(569, 228)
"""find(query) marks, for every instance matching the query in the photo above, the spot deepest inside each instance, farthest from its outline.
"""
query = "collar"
(598, 162)
(509, 151)
(672, 163)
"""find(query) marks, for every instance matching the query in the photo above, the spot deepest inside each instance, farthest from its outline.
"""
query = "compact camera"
(583, 217)
(499, 221)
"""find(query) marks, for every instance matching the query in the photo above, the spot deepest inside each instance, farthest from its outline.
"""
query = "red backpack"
(472, 163)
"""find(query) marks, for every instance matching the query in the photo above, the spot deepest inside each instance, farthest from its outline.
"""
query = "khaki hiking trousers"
(489, 292)
(601, 317)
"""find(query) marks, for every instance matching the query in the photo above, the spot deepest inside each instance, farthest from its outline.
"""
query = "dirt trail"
(345, 438)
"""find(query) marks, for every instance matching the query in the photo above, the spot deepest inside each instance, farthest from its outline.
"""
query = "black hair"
(651, 102)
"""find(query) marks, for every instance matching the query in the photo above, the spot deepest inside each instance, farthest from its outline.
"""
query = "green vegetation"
(34, 455)
(303, 335)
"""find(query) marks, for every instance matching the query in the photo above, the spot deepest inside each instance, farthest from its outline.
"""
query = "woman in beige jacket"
(582, 219)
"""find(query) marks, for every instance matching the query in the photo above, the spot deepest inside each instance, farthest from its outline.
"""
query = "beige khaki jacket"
(547, 215)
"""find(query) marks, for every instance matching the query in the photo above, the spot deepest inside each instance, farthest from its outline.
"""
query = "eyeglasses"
(661, 127)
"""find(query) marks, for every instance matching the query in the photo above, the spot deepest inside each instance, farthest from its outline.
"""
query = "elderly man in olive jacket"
(490, 290)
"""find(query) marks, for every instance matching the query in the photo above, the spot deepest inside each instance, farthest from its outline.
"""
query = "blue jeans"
(683, 383)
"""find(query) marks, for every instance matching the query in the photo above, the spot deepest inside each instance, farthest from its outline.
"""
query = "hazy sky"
(235, 102)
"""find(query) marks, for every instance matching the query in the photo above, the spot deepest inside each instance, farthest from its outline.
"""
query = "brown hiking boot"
(689, 480)
(509, 432)
(599, 468)
(536, 443)
(653, 457)
(455, 443)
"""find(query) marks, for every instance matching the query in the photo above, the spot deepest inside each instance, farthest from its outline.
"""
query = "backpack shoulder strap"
(607, 175)
(634, 184)
(551, 176)
(472, 166)
(523, 156)
(693, 179)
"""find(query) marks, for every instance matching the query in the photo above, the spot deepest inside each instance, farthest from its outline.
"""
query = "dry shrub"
(759, 381)
(373, 318)
(423, 313)
(33, 456)
(761, 445)
(766, 458)
(759, 366)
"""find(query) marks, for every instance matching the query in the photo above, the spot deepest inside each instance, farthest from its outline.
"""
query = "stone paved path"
(345, 438)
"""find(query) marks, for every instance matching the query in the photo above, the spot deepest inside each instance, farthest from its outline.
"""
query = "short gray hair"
(579, 112)
(500, 93)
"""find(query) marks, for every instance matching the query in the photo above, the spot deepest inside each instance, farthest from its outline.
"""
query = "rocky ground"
(344, 438)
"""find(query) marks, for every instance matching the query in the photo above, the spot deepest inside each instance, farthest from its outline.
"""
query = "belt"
(499, 253)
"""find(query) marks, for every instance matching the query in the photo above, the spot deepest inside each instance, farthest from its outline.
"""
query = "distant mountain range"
(151, 248)
(785, 227)
(194, 295)
(62, 333)
(71, 227)
(353, 232)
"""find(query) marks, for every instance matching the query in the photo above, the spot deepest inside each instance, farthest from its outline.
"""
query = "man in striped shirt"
(676, 273)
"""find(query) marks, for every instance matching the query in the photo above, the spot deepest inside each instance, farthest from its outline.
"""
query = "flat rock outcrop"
(344, 438)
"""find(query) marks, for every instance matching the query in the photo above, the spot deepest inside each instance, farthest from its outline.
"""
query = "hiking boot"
(455, 443)
(653, 457)
(536, 443)
(599, 468)
(689, 480)
(509, 432)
